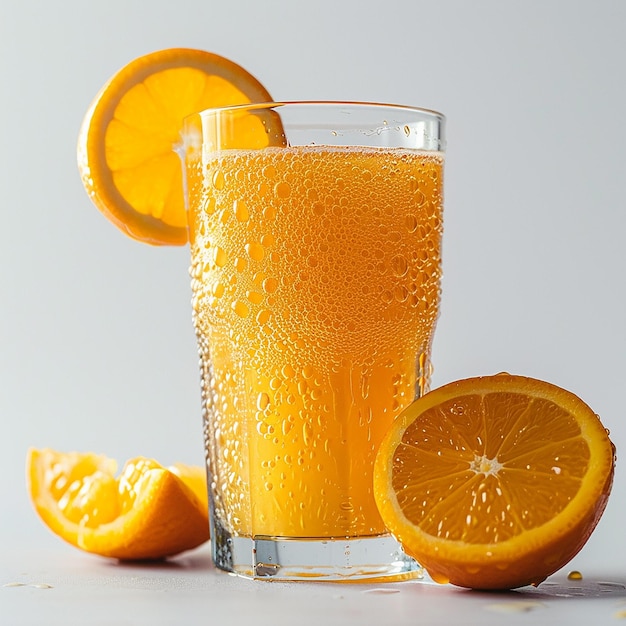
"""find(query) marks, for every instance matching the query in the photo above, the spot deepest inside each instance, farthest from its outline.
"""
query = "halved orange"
(127, 143)
(494, 482)
(147, 512)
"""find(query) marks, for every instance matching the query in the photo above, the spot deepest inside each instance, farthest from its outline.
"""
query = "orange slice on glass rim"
(127, 143)
(494, 482)
(148, 512)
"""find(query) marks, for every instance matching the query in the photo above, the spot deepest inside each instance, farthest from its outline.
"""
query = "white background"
(96, 344)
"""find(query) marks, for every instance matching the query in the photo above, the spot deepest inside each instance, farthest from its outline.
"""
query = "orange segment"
(126, 146)
(148, 512)
(194, 477)
(494, 482)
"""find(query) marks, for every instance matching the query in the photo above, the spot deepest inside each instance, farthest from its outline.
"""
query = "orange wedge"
(148, 512)
(127, 143)
(494, 482)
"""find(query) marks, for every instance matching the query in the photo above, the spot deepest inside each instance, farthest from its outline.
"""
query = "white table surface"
(50, 583)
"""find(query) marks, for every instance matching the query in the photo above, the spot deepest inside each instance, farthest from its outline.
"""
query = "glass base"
(364, 559)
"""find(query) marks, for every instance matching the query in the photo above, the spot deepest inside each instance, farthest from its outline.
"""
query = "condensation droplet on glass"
(241, 211)
(399, 265)
(220, 257)
(218, 180)
(269, 171)
(412, 223)
(255, 251)
(263, 317)
(217, 290)
(254, 297)
(270, 285)
(282, 190)
(267, 240)
(307, 434)
(241, 308)
(262, 401)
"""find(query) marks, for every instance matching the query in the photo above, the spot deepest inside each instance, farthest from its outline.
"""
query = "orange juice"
(316, 283)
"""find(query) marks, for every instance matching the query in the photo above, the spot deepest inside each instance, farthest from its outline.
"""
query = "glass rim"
(426, 112)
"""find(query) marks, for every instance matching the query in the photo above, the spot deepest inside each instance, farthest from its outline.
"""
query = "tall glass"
(315, 232)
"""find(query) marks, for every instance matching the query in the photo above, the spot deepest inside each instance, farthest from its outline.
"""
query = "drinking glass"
(315, 232)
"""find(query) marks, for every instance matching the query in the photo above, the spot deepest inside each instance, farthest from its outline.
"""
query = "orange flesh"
(506, 480)
(141, 137)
